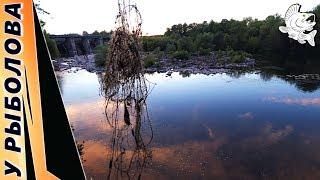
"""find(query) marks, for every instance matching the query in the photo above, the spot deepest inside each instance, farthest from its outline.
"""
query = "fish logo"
(299, 25)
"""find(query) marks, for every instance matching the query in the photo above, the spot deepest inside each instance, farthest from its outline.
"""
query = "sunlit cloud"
(268, 136)
(88, 118)
(180, 158)
(86, 110)
(188, 158)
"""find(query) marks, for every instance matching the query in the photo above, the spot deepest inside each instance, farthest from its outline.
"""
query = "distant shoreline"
(198, 64)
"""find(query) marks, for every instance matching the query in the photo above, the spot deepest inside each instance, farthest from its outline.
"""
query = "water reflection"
(127, 115)
(287, 68)
(295, 101)
(130, 143)
(249, 124)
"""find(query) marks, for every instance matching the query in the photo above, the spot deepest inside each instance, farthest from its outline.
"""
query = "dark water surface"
(251, 125)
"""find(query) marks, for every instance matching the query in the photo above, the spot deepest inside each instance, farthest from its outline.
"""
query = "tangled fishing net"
(124, 62)
(125, 89)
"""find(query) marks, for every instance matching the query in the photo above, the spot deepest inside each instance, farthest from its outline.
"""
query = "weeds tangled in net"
(125, 89)
(124, 63)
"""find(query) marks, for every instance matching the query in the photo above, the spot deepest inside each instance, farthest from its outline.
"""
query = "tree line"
(248, 35)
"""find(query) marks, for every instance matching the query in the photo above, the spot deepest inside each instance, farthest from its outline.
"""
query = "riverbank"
(82, 62)
(197, 64)
(211, 64)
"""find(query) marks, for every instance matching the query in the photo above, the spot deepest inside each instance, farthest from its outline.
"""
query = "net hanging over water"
(126, 89)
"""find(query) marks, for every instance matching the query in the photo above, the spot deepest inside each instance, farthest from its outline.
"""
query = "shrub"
(149, 43)
(158, 53)
(186, 44)
(219, 54)
(149, 61)
(181, 55)
(100, 57)
(238, 58)
(171, 48)
(204, 52)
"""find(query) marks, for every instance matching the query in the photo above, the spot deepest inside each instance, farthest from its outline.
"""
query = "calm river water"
(250, 125)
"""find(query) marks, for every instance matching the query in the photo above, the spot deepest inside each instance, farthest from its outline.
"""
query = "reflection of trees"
(185, 73)
(237, 73)
(308, 86)
(266, 76)
(305, 85)
(282, 66)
